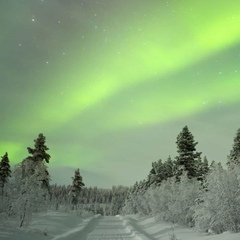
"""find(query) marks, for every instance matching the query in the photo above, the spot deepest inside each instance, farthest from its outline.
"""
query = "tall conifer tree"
(187, 155)
(77, 186)
(39, 152)
(32, 182)
(39, 155)
(234, 157)
(5, 171)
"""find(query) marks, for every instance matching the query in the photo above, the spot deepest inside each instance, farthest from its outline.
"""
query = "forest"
(186, 189)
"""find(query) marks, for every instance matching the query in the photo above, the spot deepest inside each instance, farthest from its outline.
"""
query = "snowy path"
(68, 226)
(110, 228)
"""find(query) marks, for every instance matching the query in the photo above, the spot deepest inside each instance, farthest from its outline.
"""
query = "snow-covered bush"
(29, 195)
(220, 207)
(130, 205)
(158, 198)
(173, 201)
(182, 200)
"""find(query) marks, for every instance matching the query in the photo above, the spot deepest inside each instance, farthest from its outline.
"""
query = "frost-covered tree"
(156, 174)
(5, 170)
(77, 186)
(187, 155)
(202, 168)
(119, 196)
(29, 195)
(172, 201)
(219, 209)
(234, 157)
(38, 159)
(160, 171)
(131, 203)
(170, 168)
(205, 166)
(31, 179)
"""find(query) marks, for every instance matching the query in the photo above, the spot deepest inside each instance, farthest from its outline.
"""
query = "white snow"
(68, 226)
(50, 225)
(149, 228)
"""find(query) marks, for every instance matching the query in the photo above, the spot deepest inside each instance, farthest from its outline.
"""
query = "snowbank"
(146, 228)
(50, 225)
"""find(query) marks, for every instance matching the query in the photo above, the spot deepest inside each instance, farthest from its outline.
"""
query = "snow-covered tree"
(118, 199)
(157, 173)
(131, 203)
(170, 167)
(5, 171)
(160, 171)
(31, 180)
(172, 200)
(38, 159)
(187, 155)
(234, 157)
(205, 166)
(219, 209)
(29, 194)
(202, 168)
(77, 186)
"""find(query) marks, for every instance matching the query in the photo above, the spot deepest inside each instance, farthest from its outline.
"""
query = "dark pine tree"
(169, 166)
(157, 174)
(5, 171)
(187, 155)
(202, 168)
(39, 152)
(205, 166)
(77, 186)
(234, 157)
(160, 171)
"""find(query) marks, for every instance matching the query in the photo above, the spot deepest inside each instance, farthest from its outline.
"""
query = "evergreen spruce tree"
(39, 152)
(187, 155)
(135, 188)
(160, 171)
(205, 166)
(157, 173)
(234, 157)
(169, 166)
(77, 186)
(5, 171)
(202, 168)
(212, 165)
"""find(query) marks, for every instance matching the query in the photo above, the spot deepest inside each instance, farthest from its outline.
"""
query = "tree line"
(27, 189)
(184, 189)
(190, 191)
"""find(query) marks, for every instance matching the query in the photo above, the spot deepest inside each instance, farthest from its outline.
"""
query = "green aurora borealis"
(103, 79)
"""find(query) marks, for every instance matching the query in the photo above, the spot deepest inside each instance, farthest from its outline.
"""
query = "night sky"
(111, 83)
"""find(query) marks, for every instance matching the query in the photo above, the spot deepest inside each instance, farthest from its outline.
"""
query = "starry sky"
(111, 83)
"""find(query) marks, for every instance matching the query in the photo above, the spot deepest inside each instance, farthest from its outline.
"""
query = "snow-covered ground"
(147, 228)
(68, 226)
(50, 225)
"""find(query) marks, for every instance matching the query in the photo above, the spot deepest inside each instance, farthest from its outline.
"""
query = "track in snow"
(109, 228)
